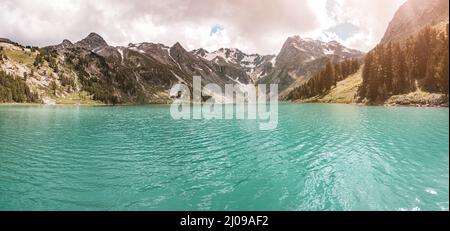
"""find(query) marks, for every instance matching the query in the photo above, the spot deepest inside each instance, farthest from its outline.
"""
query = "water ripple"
(320, 157)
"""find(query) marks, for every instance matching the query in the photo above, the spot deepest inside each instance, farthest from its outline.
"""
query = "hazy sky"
(259, 26)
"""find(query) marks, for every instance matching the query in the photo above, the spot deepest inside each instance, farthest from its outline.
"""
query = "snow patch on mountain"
(252, 64)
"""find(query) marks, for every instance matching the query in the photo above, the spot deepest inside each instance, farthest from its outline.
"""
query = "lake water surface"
(321, 157)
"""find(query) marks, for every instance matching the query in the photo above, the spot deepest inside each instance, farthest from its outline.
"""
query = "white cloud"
(251, 25)
(370, 17)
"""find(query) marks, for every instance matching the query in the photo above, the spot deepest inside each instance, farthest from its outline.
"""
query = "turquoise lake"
(320, 157)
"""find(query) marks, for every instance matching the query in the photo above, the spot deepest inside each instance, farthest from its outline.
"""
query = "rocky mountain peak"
(178, 46)
(300, 58)
(67, 43)
(334, 43)
(200, 52)
(301, 50)
(147, 47)
(177, 51)
(293, 38)
(227, 55)
(92, 42)
(297, 39)
(256, 66)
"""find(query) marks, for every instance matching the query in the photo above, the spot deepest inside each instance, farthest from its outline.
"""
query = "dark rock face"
(92, 42)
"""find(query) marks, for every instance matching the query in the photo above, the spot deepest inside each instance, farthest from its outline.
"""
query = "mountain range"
(144, 72)
(92, 71)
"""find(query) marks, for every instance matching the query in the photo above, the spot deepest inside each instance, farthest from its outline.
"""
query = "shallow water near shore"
(320, 157)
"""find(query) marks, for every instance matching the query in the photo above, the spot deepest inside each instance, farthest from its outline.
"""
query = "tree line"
(419, 63)
(322, 82)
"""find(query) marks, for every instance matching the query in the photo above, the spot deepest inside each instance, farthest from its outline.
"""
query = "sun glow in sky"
(251, 25)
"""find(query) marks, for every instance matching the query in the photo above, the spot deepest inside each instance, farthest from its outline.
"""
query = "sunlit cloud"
(251, 25)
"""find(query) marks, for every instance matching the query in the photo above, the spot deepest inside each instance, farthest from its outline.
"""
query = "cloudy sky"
(251, 25)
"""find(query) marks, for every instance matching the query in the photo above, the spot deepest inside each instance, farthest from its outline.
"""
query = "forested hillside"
(13, 89)
(418, 64)
(322, 82)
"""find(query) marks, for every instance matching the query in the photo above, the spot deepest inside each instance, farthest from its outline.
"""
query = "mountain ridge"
(300, 58)
(142, 72)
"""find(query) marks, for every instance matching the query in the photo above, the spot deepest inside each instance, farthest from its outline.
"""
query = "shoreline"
(377, 105)
(407, 100)
(291, 102)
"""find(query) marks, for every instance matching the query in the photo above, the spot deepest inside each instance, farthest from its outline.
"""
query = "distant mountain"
(413, 16)
(138, 73)
(297, 49)
(93, 42)
(255, 65)
(157, 66)
(65, 44)
(144, 72)
(301, 58)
